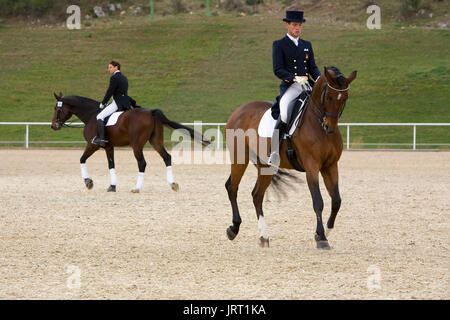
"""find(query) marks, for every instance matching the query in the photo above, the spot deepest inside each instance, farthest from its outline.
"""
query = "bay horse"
(134, 127)
(317, 144)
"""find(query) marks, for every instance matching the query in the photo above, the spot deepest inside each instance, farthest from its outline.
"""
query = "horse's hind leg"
(258, 195)
(331, 178)
(88, 151)
(112, 171)
(157, 141)
(232, 185)
(139, 155)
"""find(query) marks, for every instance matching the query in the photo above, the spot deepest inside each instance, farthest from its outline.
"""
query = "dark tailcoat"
(118, 89)
(290, 61)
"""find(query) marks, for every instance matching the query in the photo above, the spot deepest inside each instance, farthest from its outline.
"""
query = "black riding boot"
(274, 159)
(100, 140)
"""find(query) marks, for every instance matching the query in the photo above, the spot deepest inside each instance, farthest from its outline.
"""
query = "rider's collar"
(293, 39)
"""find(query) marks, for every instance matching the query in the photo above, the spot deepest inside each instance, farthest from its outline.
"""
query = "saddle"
(112, 119)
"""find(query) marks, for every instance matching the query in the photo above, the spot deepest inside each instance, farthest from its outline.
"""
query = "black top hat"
(294, 16)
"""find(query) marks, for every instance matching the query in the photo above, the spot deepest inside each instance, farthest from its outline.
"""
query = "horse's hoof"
(135, 190)
(111, 188)
(175, 186)
(263, 243)
(323, 244)
(231, 235)
(89, 183)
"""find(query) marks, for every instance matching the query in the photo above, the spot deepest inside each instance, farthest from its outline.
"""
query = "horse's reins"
(59, 104)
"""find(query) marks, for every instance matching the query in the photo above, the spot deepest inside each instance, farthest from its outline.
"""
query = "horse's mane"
(80, 102)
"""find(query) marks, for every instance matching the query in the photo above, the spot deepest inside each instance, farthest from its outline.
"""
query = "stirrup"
(274, 159)
(98, 141)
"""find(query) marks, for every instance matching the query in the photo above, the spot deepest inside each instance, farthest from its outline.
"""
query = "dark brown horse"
(134, 127)
(317, 144)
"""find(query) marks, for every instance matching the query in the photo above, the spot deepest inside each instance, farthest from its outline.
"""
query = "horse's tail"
(158, 114)
(284, 180)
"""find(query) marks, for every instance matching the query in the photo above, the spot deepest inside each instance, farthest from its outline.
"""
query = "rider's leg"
(107, 111)
(286, 103)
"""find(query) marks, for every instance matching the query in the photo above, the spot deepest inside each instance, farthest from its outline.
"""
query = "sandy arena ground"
(59, 240)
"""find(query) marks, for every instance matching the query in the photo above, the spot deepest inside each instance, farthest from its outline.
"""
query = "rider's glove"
(303, 82)
(101, 106)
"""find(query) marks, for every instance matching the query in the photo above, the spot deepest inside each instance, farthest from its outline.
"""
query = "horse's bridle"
(59, 105)
(69, 124)
(324, 114)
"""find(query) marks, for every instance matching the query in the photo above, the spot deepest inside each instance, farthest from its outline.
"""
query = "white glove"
(303, 82)
(102, 105)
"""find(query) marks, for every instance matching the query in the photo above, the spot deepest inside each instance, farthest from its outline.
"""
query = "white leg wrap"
(84, 173)
(140, 181)
(263, 228)
(112, 173)
(170, 178)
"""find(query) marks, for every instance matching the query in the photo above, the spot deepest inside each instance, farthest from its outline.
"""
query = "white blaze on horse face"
(84, 173)
(263, 228)
(339, 96)
(112, 173)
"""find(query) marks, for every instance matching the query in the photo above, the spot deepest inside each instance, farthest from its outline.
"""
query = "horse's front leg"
(112, 171)
(88, 151)
(312, 177)
(331, 178)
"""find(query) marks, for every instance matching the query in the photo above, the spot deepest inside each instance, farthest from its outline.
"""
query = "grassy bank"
(197, 68)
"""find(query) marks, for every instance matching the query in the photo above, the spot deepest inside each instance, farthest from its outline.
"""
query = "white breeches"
(107, 111)
(287, 101)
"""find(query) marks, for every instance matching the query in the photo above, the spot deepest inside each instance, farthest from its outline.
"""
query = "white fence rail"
(219, 142)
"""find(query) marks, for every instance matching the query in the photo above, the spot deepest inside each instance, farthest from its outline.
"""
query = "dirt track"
(393, 232)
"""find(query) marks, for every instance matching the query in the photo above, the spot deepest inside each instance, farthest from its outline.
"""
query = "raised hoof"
(175, 186)
(231, 235)
(135, 190)
(263, 243)
(89, 183)
(111, 188)
(323, 244)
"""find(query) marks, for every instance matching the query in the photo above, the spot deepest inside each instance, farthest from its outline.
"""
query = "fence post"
(26, 135)
(414, 137)
(152, 10)
(348, 136)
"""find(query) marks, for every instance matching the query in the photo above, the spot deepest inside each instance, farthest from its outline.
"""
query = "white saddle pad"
(113, 118)
(267, 124)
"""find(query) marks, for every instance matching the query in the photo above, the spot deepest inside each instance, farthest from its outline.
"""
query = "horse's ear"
(352, 76)
(60, 95)
(56, 96)
(327, 74)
